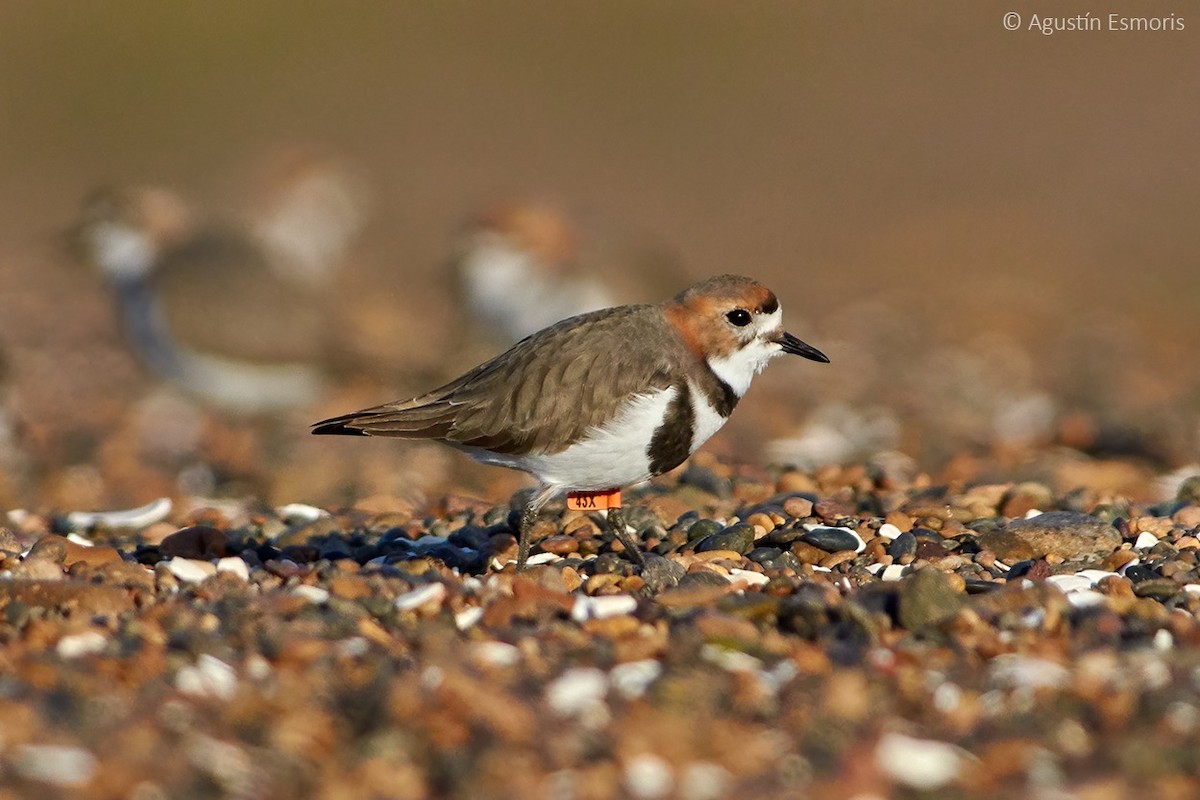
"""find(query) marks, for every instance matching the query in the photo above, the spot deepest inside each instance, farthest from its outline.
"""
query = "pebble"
(903, 546)
(49, 548)
(737, 538)
(208, 677)
(633, 678)
(190, 570)
(300, 512)
(197, 542)
(927, 597)
(1068, 534)
(577, 692)
(925, 765)
(234, 565)
(747, 576)
(313, 594)
(1145, 541)
(833, 540)
(468, 618)
(81, 644)
(889, 531)
(602, 607)
(429, 594)
(661, 573)
(648, 777)
(58, 765)
(704, 780)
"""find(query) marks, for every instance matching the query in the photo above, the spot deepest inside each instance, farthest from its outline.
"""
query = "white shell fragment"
(313, 594)
(1145, 541)
(300, 512)
(234, 565)
(140, 517)
(648, 777)
(577, 691)
(81, 644)
(748, 576)
(602, 607)
(58, 765)
(208, 677)
(633, 678)
(921, 764)
(190, 570)
(422, 595)
(469, 617)
(889, 531)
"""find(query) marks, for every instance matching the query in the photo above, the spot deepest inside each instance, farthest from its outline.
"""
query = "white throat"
(738, 368)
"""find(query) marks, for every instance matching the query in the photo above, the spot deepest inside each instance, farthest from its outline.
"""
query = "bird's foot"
(633, 548)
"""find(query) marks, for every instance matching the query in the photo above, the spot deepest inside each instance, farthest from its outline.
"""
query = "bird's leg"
(633, 548)
(528, 519)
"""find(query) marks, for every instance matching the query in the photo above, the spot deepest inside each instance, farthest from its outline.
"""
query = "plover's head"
(123, 230)
(736, 325)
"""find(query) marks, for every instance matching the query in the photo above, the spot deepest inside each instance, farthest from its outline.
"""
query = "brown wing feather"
(549, 388)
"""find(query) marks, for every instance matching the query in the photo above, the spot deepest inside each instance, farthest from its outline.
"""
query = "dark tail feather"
(337, 425)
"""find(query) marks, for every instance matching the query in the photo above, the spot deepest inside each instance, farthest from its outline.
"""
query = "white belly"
(609, 457)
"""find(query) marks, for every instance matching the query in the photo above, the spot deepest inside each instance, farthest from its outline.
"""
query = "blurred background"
(223, 221)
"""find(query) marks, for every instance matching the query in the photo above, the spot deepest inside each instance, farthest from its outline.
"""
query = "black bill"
(796, 347)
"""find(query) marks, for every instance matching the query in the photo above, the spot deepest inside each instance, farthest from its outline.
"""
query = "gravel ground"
(851, 632)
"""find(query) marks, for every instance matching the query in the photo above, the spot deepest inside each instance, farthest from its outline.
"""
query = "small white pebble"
(469, 617)
(1133, 563)
(542, 558)
(894, 572)
(313, 594)
(1016, 671)
(208, 677)
(1071, 583)
(633, 678)
(921, 764)
(58, 765)
(875, 569)
(577, 691)
(81, 644)
(889, 531)
(300, 512)
(947, 697)
(1033, 512)
(648, 776)
(497, 654)
(79, 540)
(1192, 588)
(1145, 541)
(1163, 640)
(354, 647)
(602, 607)
(234, 565)
(422, 595)
(190, 570)
(704, 780)
(748, 576)
(1086, 598)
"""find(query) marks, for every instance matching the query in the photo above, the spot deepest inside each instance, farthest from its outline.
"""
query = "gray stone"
(1067, 534)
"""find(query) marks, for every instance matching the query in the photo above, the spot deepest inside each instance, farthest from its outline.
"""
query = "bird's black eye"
(739, 317)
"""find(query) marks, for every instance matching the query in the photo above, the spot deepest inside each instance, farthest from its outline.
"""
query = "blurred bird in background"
(521, 266)
(234, 312)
